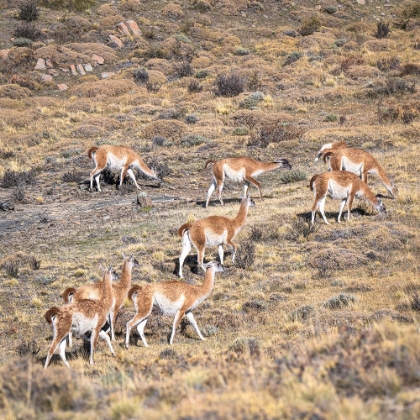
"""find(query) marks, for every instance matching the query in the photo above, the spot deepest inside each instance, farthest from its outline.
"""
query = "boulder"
(40, 64)
(134, 27)
(98, 59)
(62, 86)
(143, 200)
(122, 28)
(117, 41)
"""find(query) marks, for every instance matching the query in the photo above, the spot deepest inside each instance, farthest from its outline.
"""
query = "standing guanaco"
(330, 147)
(344, 186)
(240, 169)
(81, 317)
(212, 231)
(93, 291)
(173, 298)
(117, 158)
(360, 163)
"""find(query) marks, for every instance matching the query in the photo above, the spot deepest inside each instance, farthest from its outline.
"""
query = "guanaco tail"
(173, 298)
(344, 186)
(93, 291)
(213, 231)
(240, 169)
(118, 158)
(81, 317)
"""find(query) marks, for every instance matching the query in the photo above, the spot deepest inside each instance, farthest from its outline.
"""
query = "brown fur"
(118, 158)
(83, 316)
(68, 294)
(119, 291)
(361, 163)
(173, 297)
(217, 230)
(240, 169)
(344, 186)
(330, 147)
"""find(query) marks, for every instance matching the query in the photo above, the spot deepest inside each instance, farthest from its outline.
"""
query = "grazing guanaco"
(330, 147)
(240, 169)
(344, 186)
(93, 291)
(213, 231)
(81, 317)
(117, 158)
(360, 163)
(173, 298)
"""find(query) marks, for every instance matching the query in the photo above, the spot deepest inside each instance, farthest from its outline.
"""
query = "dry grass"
(310, 322)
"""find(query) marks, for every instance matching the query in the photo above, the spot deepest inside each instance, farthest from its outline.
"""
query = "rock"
(98, 59)
(40, 64)
(362, 2)
(65, 69)
(107, 74)
(49, 64)
(53, 72)
(73, 70)
(143, 200)
(122, 28)
(80, 69)
(88, 67)
(62, 86)
(4, 54)
(46, 78)
(134, 27)
(290, 33)
(6, 206)
(117, 41)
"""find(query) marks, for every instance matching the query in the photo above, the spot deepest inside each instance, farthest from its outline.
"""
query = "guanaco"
(344, 186)
(117, 158)
(213, 231)
(81, 317)
(360, 163)
(93, 291)
(240, 169)
(173, 298)
(330, 147)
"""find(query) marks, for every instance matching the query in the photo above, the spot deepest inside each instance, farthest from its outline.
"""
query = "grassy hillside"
(311, 322)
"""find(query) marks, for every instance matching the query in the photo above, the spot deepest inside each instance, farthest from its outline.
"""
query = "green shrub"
(330, 118)
(292, 57)
(241, 51)
(301, 313)
(193, 140)
(77, 5)
(22, 42)
(309, 26)
(293, 176)
(340, 301)
(240, 131)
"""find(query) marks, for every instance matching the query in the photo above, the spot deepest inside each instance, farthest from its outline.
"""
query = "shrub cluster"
(245, 256)
(309, 26)
(13, 179)
(141, 76)
(340, 301)
(382, 30)
(28, 10)
(77, 5)
(273, 132)
(26, 30)
(230, 85)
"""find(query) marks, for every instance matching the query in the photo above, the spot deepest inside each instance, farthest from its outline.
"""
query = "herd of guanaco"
(93, 308)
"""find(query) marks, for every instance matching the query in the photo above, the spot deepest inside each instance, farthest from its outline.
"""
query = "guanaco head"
(130, 259)
(156, 174)
(284, 163)
(393, 190)
(381, 206)
(217, 266)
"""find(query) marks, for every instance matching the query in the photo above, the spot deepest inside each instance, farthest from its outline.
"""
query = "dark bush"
(309, 26)
(153, 87)
(19, 194)
(386, 64)
(245, 256)
(230, 85)
(202, 74)
(410, 68)
(292, 57)
(241, 51)
(382, 30)
(77, 5)
(254, 305)
(300, 228)
(193, 140)
(26, 30)
(158, 140)
(275, 132)
(22, 42)
(301, 313)
(351, 61)
(340, 301)
(73, 176)
(141, 76)
(194, 87)
(415, 302)
(28, 10)
(330, 9)
(191, 119)
(13, 179)
(161, 168)
(184, 68)
(12, 268)
(397, 85)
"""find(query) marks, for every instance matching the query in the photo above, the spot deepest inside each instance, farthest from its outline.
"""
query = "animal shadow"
(216, 202)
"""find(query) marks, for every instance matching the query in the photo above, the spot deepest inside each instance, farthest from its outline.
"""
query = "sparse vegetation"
(230, 85)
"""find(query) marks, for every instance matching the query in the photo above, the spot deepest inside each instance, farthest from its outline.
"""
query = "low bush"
(26, 30)
(193, 140)
(184, 68)
(194, 87)
(340, 301)
(77, 5)
(386, 64)
(141, 76)
(301, 313)
(293, 57)
(293, 176)
(22, 42)
(245, 256)
(28, 10)
(230, 85)
(382, 30)
(273, 132)
(72, 176)
(12, 179)
(241, 51)
(309, 26)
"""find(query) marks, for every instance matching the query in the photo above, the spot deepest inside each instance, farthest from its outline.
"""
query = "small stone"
(40, 64)
(53, 72)
(117, 41)
(65, 69)
(143, 200)
(362, 2)
(88, 67)
(62, 86)
(46, 78)
(73, 70)
(107, 74)
(98, 59)
(6, 206)
(49, 64)
(80, 69)
(4, 54)
(122, 28)
(134, 27)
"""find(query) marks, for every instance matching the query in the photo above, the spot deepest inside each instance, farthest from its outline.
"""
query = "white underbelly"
(167, 306)
(81, 324)
(355, 168)
(337, 191)
(213, 239)
(115, 163)
(235, 176)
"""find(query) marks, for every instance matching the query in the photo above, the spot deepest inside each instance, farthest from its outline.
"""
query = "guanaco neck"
(367, 193)
(125, 280)
(240, 218)
(107, 288)
(208, 282)
(269, 166)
